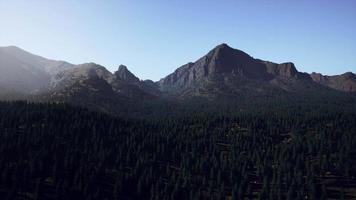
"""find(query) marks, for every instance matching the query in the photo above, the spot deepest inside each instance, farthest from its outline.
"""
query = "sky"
(154, 37)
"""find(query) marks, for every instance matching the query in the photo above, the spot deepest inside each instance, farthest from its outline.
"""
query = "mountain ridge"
(222, 71)
(235, 71)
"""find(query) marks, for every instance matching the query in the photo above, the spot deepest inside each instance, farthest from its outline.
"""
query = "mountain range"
(222, 72)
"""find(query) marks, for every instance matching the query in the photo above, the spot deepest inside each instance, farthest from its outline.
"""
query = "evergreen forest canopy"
(294, 148)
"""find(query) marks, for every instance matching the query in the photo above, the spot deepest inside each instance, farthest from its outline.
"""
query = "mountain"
(220, 63)
(127, 84)
(219, 71)
(92, 85)
(225, 71)
(79, 73)
(222, 72)
(24, 72)
(125, 75)
(344, 82)
(261, 130)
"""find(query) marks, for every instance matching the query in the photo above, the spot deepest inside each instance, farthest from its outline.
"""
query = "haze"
(155, 37)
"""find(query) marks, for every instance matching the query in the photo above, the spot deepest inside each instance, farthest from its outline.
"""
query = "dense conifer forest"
(56, 151)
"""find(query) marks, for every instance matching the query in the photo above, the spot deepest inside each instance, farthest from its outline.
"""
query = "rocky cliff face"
(221, 62)
(225, 68)
(124, 74)
(344, 82)
(127, 84)
(285, 70)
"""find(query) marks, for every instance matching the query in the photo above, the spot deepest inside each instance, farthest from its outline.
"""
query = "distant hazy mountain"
(224, 71)
(27, 73)
(24, 73)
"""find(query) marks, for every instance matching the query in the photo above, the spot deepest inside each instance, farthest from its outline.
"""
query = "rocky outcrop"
(80, 73)
(344, 82)
(127, 84)
(286, 70)
(125, 75)
(82, 78)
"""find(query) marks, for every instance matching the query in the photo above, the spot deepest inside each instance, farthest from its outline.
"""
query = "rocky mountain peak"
(349, 75)
(224, 51)
(122, 68)
(345, 82)
(222, 62)
(124, 74)
(222, 46)
(226, 60)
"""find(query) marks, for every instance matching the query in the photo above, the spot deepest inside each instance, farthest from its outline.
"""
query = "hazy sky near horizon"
(154, 37)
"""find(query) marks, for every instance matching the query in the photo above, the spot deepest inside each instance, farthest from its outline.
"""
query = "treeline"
(56, 151)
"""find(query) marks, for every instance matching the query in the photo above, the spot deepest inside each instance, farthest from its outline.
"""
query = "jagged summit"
(344, 82)
(221, 65)
(222, 46)
(223, 51)
(286, 70)
(122, 67)
(224, 59)
(124, 74)
(234, 70)
(349, 75)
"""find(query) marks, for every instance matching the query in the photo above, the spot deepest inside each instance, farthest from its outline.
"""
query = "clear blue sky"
(154, 37)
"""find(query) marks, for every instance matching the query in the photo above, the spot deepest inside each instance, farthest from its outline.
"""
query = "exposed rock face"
(150, 87)
(82, 77)
(286, 70)
(317, 77)
(228, 70)
(222, 60)
(225, 68)
(127, 84)
(344, 82)
(181, 77)
(225, 60)
(125, 75)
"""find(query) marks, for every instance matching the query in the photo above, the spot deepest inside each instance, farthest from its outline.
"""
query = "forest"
(282, 151)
